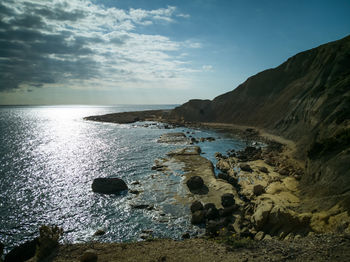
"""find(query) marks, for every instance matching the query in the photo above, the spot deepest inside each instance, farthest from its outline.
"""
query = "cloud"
(207, 68)
(78, 43)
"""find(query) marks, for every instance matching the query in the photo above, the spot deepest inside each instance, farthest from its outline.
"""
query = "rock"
(207, 206)
(173, 138)
(258, 190)
(267, 237)
(227, 200)
(186, 235)
(134, 191)
(196, 205)
(100, 232)
(106, 185)
(22, 252)
(212, 228)
(187, 151)
(223, 176)
(263, 169)
(212, 213)
(135, 182)
(142, 206)
(198, 217)
(261, 214)
(218, 155)
(195, 182)
(223, 165)
(284, 171)
(1, 250)
(227, 211)
(246, 167)
(259, 236)
(89, 256)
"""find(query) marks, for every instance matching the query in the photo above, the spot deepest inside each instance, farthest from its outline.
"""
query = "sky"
(106, 52)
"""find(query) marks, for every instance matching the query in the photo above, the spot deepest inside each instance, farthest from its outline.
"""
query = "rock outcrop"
(108, 185)
(307, 100)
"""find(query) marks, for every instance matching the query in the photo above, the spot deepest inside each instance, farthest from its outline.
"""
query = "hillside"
(305, 99)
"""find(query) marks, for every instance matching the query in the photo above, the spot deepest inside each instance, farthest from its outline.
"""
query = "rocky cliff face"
(306, 99)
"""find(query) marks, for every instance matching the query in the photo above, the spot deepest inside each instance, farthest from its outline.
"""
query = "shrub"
(48, 241)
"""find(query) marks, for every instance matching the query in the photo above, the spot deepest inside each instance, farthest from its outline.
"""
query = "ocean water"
(49, 157)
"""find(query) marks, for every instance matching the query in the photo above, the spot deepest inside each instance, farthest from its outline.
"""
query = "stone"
(212, 213)
(173, 138)
(195, 182)
(107, 185)
(22, 252)
(284, 171)
(207, 206)
(267, 237)
(259, 236)
(263, 169)
(212, 228)
(218, 155)
(261, 214)
(89, 255)
(198, 217)
(227, 211)
(258, 190)
(196, 205)
(100, 232)
(186, 235)
(246, 167)
(223, 176)
(227, 200)
(223, 165)
(187, 151)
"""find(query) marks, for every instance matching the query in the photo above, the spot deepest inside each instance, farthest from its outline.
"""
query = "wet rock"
(218, 155)
(198, 217)
(227, 200)
(135, 182)
(134, 191)
(1, 250)
(196, 205)
(186, 235)
(107, 185)
(263, 169)
(223, 176)
(245, 167)
(258, 190)
(142, 206)
(173, 138)
(99, 232)
(187, 151)
(195, 183)
(249, 154)
(22, 252)
(89, 256)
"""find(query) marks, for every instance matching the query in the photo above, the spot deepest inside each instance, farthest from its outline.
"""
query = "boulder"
(22, 252)
(261, 214)
(246, 167)
(212, 228)
(258, 190)
(186, 235)
(212, 213)
(89, 255)
(108, 185)
(227, 211)
(227, 200)
(207, 206)
(100, 232)
(196, 205)
(263, 169)
(195, 183)
(198, 217)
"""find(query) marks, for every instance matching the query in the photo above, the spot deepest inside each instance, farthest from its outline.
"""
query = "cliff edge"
(306, 99)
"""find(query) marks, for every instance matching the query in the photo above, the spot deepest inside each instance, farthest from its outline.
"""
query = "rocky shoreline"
(255, 198)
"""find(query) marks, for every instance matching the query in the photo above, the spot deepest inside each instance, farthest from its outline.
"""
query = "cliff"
(305, 99)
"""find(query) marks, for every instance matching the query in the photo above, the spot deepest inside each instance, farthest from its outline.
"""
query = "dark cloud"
(32, 52)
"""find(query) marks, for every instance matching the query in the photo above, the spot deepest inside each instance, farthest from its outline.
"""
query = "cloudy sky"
(154, 51)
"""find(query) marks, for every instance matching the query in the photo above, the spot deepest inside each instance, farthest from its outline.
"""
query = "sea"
(49, 156)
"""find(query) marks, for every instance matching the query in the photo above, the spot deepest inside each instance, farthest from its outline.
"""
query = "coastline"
(281, 189)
